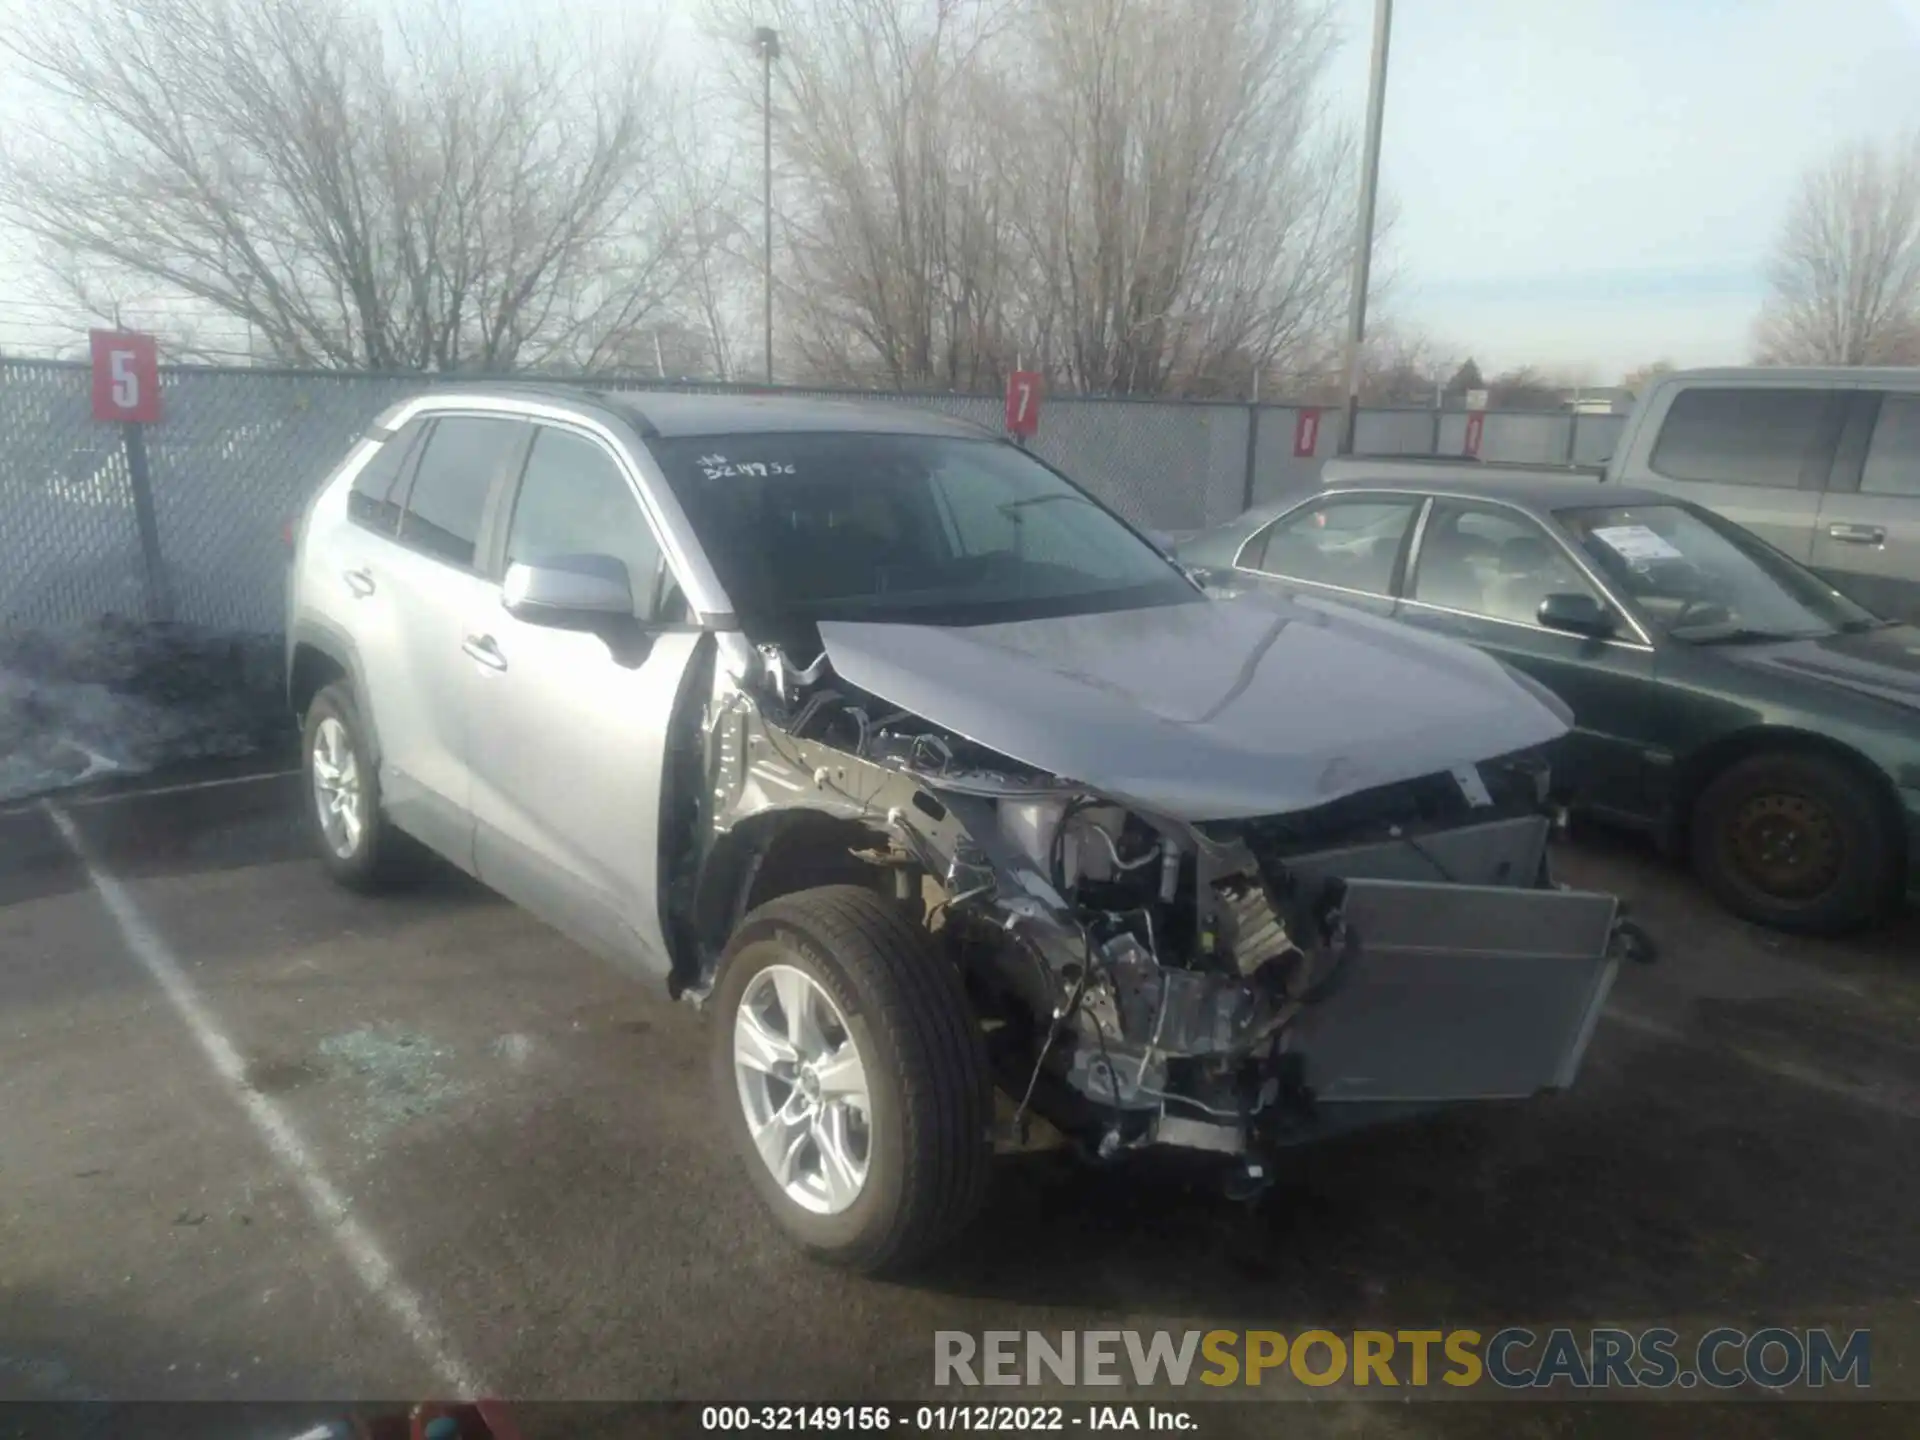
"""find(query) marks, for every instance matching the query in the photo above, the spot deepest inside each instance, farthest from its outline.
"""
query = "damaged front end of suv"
(1189, 912)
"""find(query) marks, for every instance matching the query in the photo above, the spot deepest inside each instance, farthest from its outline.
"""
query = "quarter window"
(1351, 544)
(1492, 563)
(1746, 437)
(449, 495)
(1893, 459)
(575, 500)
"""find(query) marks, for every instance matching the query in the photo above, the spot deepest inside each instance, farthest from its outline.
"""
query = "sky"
(1586, 185)
(1583, 188)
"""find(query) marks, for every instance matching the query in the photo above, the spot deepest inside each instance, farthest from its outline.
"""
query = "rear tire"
(1796, 842)
(874, 989)
(357, 844)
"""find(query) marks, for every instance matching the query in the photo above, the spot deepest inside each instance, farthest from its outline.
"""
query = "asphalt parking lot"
(260, 1138)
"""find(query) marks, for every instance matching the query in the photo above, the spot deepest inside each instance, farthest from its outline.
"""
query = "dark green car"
(1723, 696)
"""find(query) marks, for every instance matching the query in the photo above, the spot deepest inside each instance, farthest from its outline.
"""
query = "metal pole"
(1363, 229)
(769, 43)
(140, 481)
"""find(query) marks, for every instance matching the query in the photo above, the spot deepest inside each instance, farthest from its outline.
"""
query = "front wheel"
(1797, 842)
(853, 1078)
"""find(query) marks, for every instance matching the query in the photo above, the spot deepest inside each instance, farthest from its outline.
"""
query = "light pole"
(767, 41)
(1363, 229)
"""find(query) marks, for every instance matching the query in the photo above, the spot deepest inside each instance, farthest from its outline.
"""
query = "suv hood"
(1211, 710)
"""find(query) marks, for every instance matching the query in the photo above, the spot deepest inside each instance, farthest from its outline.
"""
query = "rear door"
(435, 579)
(1479, 574)
(348, 581)
(1758, 455)
(1344, 547)
(1867, 542)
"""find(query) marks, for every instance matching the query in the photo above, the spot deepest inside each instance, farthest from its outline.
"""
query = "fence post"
(1253, 453)
(1435, 447)
(159, 601)
(1573, 435)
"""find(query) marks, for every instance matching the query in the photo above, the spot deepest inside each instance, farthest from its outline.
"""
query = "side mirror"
(569, 592)
(1577, 614)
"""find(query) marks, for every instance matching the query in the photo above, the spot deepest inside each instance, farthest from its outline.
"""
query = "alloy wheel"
(337, 795)
(803, 1087)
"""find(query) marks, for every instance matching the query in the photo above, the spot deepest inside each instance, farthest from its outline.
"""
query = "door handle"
(1858, 534)
(360, 582)
(483, 649)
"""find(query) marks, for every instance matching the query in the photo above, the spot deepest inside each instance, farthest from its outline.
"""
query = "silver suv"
(874, 735)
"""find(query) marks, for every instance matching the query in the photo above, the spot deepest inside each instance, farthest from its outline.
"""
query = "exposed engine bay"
(1225, 986)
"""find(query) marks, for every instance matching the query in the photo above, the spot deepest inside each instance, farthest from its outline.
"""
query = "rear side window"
(1746, 437)
(1352, 544)
(374, 501)
(1893, 459)
(449, 494)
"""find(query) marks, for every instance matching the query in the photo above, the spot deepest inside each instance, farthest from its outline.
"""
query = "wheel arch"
(320, 655)
(776, 853)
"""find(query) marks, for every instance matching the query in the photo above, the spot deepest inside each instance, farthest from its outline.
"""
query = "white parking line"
(355, 1242)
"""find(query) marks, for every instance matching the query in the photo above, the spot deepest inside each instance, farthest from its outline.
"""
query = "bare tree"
(413, 200)
(1136, 196)
(890, 125)
(1196, 211)
(1636, 380)
(1845, 275)
(1525, 388)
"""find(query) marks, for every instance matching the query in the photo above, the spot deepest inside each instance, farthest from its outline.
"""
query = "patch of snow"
(122, 697)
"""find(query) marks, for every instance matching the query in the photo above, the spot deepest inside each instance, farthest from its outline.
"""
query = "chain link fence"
(238, 452)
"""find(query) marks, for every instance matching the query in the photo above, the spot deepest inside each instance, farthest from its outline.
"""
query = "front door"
(1867, 544)
(1758, 456)
(569, 743)
(1480, 575)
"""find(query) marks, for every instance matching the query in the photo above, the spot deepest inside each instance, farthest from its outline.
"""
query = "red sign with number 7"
(126, 376)
(1023, 402)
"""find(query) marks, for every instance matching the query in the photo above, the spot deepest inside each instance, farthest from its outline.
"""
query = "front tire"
(853, 1078)
(1796, 842)
(360, 849)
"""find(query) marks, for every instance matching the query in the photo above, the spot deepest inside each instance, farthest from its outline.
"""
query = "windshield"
(1703, 580)
(923, 528)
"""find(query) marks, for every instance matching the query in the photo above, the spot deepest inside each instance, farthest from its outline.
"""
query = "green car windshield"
(1703, 580)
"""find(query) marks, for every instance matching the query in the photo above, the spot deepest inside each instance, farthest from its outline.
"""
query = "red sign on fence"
(1476, 423)
(1023, 402)
(1306, 434)
(126, 376)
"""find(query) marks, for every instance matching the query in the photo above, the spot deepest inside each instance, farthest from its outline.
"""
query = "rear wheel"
(360, 849)
(853, 1078)
(1797, 842)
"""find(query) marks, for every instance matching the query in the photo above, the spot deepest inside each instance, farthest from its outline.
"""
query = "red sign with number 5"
(126, 376)
(1023, 402)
